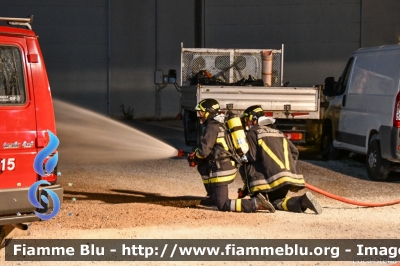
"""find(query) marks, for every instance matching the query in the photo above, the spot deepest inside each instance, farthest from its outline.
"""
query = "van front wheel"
(378, 168)
(2, 236)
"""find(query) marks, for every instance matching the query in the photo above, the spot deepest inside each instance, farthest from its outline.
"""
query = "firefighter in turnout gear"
(215, 164)
(271, 169)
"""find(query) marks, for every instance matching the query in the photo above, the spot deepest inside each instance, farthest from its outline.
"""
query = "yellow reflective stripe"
(219, 179)
(286, 152)
(270, 153)
(284, 204)
(239, 205)
(224, 173)
(276, 183)
(287, 179)
(199, 156)
(222, 142)
(260, 188)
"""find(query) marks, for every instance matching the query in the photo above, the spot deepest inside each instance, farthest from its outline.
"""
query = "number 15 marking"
(8, 164)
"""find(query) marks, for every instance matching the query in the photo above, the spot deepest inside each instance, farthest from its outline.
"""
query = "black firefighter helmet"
(210, 107)
(253, 113)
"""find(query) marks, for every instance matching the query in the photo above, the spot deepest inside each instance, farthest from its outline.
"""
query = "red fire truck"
(26, 116)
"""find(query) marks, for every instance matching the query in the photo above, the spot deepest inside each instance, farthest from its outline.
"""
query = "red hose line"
(354, 202)
(349, 201)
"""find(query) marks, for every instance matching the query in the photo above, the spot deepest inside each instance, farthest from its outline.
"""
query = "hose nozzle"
(182, 153)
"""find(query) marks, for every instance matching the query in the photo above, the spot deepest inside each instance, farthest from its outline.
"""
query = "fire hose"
(325, 193)
(349, 201)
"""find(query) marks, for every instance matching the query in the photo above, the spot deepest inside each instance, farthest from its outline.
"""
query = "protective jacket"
(271, 161)
(214, 163)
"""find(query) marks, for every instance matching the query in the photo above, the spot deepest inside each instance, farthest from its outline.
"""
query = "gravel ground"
(159, 199)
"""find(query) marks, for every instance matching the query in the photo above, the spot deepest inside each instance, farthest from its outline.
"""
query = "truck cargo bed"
(279, 102)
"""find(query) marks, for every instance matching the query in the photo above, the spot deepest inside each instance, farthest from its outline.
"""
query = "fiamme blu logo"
(44, 169)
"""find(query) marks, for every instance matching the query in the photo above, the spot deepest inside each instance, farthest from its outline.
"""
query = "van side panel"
(370, 98)
(26, 112)
(383, 85)
(388, 77)
(351, 128)
(43, 101)
(44, 105)
(390, 142)
(18, 118)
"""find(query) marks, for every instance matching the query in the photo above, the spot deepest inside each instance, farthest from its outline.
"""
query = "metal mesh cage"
(276, 69)
(229, 65)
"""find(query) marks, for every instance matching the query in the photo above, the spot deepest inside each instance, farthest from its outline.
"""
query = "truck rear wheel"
(377, 167)
(328, 152)
(200, 131)
(190, 127)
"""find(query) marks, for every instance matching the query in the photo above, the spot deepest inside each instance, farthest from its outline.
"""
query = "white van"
(364, 110)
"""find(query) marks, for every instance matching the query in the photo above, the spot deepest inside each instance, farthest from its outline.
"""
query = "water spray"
(87, 137)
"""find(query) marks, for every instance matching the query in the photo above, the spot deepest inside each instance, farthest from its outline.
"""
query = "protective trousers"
(290, 204)
(220, 194)
(279, 199)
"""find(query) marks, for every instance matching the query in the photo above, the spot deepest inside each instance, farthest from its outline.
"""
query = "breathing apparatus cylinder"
(238, 136)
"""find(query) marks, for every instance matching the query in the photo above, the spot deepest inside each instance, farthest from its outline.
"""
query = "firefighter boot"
(262, 204)
(208, 200)
(308, 201)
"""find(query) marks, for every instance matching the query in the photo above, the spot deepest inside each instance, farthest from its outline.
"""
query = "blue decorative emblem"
(49, 166)
(42, 155)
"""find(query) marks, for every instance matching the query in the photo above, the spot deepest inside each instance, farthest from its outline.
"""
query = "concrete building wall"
(132, 56)
(146, 36)
(101, 54)
(175, 25)
(317, 35)
(73, 38)
(380, 22)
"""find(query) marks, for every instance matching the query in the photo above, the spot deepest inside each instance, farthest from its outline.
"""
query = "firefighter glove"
(242, 192)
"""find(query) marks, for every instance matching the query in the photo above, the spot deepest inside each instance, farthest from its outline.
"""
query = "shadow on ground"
(119, 196)
(346, 164)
